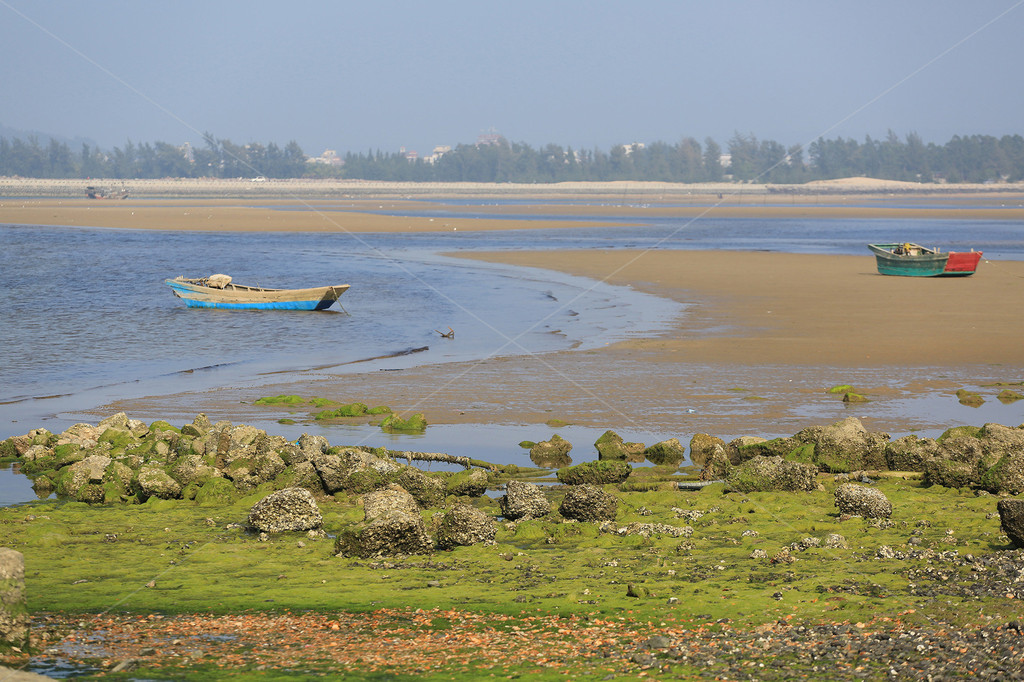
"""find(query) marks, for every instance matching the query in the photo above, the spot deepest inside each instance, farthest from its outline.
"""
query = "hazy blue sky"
(381, 75)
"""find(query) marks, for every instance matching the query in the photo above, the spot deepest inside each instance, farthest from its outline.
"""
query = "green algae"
(416, 422)
(280, 400)
(181, 556)
(841, 388)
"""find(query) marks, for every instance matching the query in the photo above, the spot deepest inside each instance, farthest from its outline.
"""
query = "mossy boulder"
(353, 470)
(393, 422)
(717, 465)
(589, 503)
(392, 525)
(666, 452)
(969, 398)
(1011, 519)
(523, 500)
(595, 473)
(291, 509)
(551, 453)
(744, 448)
(428, 490)
(470, 483)
(160, 425)
(216, 492)
(859, 500)
(1006, 476)
(463, 525)
(349, 410)
(611, 446)
(910, 453)
(702, 445)
(767, 474)
(152, 481)
(846, 446)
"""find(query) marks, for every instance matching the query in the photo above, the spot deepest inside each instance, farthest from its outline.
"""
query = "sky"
(359, 76)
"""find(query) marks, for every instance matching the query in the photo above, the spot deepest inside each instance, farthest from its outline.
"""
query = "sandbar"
(762, 337)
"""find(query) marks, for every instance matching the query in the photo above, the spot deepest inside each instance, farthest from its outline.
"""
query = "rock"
(835, 541)
(1005, 477)
(610, 446)
(595, 473)
(470, 482)
(763, 474)
(744, 448)
(859, 500)
(717, 465)
(393, 525)
(257, 468)
(390, 500)
(428, 491)
(701, 447)
(523, 500)
(669, 451)
(152, 481)
(83, 435)
(1006, 396)
(969, 398)
(311, 447)
(115, 421)
(192, 469)
(74, 481)
(463, 526)
(551, 453)
(14, 618)
(845, 446)
(353, 470)
(957, 462)
(909, 453)
(285, 510)
(589, 503)
(1011, 519)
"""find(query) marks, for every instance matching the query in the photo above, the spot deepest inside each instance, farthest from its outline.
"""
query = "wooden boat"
(913, 260)
(218, 291)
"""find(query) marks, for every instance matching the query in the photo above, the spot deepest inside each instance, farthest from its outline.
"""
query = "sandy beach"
(763, 336)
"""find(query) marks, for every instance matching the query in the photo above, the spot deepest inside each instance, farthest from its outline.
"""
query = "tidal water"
(85, 317)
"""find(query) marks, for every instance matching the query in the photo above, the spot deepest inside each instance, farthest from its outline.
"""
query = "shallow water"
(87, 320)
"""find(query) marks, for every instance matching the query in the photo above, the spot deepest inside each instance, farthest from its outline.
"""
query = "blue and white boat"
(218, 291)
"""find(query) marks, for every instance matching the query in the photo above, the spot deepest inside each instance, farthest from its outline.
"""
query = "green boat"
(913, 260)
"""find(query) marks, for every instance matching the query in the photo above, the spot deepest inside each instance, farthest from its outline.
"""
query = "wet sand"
(763, 336)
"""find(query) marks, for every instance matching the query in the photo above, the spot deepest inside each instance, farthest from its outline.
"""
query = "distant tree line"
(975, 158)
(218, 158)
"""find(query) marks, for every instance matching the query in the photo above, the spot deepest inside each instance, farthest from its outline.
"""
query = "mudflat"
(763, 335)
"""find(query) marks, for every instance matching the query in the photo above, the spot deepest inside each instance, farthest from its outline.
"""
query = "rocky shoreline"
(888, 584)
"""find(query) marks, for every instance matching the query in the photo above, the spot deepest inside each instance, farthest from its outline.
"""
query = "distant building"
(630, 148)
(328, 158)
(439, 151)
(491, 137)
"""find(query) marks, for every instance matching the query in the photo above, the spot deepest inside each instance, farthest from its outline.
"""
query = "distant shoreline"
(301, 188)
(242, 205)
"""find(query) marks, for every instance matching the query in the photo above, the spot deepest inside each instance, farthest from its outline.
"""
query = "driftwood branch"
(409, 456)
(449, 335)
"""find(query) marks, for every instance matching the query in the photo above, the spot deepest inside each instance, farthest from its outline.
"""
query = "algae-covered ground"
(549, 598)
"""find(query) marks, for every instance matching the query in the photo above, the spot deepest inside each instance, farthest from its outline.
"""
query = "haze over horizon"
(368, 76)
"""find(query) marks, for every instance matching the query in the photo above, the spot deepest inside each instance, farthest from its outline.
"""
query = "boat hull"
(240, 297)
(926, 263)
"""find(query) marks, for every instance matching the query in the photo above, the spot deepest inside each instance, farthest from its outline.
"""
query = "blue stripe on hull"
(279, 305)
